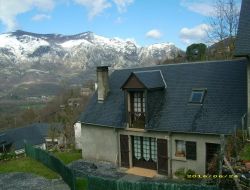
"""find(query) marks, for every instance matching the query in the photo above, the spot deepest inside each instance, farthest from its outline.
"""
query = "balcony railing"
(137, 120)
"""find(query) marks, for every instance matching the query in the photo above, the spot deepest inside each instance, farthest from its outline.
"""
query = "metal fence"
(103, 183)
(53, 163)
(99, 183)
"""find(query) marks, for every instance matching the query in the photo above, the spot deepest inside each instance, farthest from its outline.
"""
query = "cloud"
(202, 7)
(154, 33)
(11, 8)
(123, 4)
(195, 34)
(40, 17)
(95, 7)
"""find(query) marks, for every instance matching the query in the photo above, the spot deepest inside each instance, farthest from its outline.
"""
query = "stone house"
(172, 116)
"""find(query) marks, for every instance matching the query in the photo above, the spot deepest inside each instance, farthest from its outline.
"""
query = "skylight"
(197, 96)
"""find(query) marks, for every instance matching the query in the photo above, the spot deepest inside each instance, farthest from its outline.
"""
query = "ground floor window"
(186, 149)
(180, 148)
(145, 148)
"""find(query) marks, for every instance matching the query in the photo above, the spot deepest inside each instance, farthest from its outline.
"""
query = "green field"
(28, 165)
(68, 157)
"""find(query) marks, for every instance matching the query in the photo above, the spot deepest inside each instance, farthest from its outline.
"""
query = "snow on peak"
(72, 43)
(21, 45)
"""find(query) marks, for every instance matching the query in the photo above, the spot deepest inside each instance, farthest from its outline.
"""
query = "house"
(37, 134)
(5, 143)
(168, 117)
(77, 134)
(74, 102)
(84, 91)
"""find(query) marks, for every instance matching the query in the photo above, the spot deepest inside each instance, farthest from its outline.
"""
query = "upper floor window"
(137, 109)
(138, 102)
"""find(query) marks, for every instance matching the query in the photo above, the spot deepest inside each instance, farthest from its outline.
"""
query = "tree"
(223, 26)
(196, 52)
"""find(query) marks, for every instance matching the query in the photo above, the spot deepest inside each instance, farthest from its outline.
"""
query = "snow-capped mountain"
(32, 58)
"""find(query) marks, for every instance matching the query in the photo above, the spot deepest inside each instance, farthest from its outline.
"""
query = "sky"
(145, 22)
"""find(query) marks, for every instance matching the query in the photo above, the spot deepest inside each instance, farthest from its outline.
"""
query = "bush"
(180, 173)
(8, 156)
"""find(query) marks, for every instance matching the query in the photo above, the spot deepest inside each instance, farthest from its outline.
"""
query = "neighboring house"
(77, 131)
(5, 143)
(171, 116)
(36, 134)
(74, 102)
(85, 91)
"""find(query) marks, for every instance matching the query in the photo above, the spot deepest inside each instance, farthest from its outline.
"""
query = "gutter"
(101, 125)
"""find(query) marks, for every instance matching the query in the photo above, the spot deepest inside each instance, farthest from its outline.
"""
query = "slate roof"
(151, 79)
(5, 140)
(34, 134)
(169, 109)
(243, 35)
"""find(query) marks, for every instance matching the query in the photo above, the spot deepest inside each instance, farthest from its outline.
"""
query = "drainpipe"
(118, 148)
(170, 155)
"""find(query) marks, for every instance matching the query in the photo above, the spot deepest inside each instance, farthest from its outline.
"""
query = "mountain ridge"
(26, 57)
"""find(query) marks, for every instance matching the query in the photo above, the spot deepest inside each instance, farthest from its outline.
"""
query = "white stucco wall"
(99, 143)
(198, 165)
(102, 143)
(77, 129)
(174, 163)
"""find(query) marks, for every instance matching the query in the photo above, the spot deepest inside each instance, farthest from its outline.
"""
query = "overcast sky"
(181, 22)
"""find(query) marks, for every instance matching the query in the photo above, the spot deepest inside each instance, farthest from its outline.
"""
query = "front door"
(124, 145)
(212, 156)
(162, 147)
(144, 152)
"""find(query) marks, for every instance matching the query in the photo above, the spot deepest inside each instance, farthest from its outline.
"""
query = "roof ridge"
(180, 64)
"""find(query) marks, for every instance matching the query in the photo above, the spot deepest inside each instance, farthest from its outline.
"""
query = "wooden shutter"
(162, 154)
(190, 150)
(124, 147)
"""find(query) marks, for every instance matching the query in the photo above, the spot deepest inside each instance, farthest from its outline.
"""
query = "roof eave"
(100, 125)
(188, 132)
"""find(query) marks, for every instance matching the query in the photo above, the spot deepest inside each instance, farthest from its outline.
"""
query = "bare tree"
(223, 26)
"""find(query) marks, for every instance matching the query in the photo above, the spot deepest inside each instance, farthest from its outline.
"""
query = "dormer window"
(137, 109)
(197, 96)
(136, 87)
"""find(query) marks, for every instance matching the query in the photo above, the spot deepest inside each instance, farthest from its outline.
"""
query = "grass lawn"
(245, 153)
(67, 157)
(29, 165)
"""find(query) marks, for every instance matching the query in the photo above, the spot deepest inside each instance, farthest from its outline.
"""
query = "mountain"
(30, 62)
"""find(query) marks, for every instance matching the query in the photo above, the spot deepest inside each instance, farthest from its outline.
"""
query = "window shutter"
(190, 150)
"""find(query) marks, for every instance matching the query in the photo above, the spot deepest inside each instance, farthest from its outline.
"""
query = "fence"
(98, 183)
(53, 163)
(103, 183)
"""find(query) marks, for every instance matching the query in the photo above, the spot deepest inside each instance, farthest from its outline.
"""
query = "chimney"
(102, 73)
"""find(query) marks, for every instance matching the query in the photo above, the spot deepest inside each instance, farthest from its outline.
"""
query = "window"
(190, 150)
(139, 102)
(137, 147)
(154, 149)
(137, 109)
(197, 96)
(180, 148)
(145, 148)
(186, 149)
